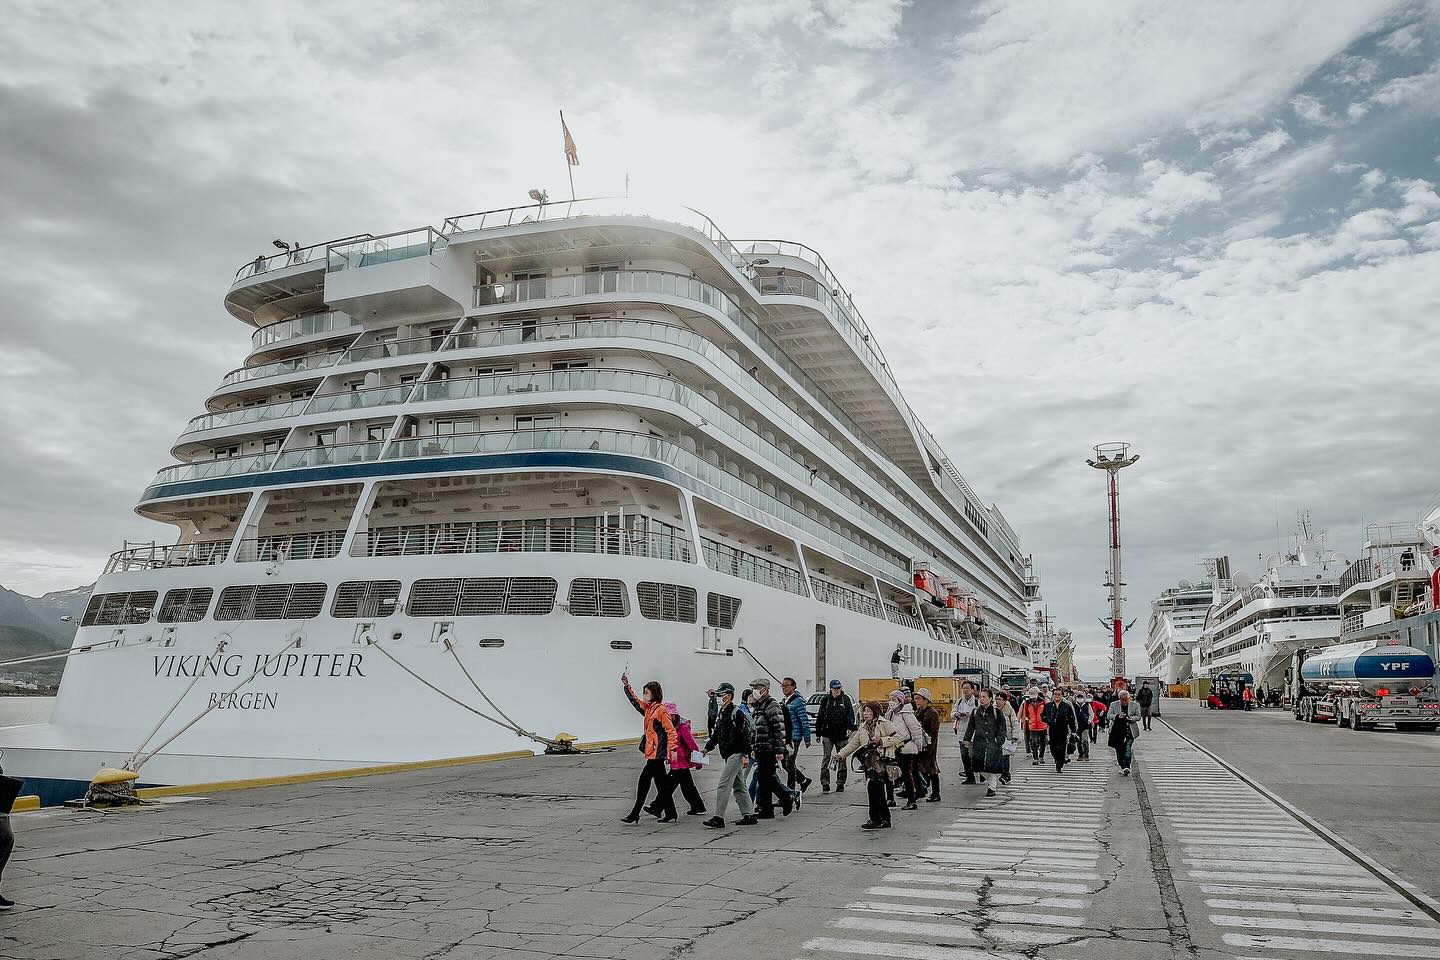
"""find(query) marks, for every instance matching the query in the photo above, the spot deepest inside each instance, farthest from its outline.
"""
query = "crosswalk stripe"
(957, 913)
(973, 896)
(1356, 881)
(1004, 848)
(1023, 837)
(1368, 896)
(1322, 926)
(1324, 909)
(902, 951)
(963, 864)
(1027, 860)
(954, 931)
(975, 881)
(1314, 866)
(1354, 948)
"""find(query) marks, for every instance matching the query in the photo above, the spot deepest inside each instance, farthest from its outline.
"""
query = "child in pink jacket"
(680, 765)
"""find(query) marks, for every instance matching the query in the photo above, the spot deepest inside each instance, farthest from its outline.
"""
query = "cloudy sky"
(1209, 229)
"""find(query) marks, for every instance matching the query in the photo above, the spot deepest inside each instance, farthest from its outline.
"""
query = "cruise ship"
(1177, 618)
(467, 476)
(1254, 625)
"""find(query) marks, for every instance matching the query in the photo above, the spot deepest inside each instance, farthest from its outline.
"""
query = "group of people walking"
(893, 744)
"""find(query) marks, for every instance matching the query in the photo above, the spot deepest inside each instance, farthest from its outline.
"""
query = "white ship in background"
(1177, 618)
(520, 454)
(1254, 625)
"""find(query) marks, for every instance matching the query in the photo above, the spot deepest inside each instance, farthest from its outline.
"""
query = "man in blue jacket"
(797, 729)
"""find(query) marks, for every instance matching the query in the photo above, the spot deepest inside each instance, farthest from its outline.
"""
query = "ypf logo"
(1394, 665)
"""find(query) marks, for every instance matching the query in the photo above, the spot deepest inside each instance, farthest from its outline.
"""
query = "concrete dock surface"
(528, 859)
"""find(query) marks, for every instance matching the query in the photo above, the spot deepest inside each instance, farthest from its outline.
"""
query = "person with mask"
(1032, 721)
(928, 761)
(1080, 703)
(769, 721)
(657, 735)
(1124, 730)
(902, 715)
(834, 722)
(1146, 698)
(731, 733)
(797, 731)
(876, 738)
(985, 737)
(1060, 725)
(1013, 733)
(963, 708)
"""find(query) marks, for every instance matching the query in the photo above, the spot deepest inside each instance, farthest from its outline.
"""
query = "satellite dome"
(1243, 581)
(1185, 584)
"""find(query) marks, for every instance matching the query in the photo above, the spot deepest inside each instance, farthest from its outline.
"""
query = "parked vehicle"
(1362, 684)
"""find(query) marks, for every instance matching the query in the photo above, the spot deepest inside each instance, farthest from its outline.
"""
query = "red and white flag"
(571, 156)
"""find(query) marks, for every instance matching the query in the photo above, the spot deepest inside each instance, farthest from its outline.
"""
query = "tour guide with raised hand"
(877, 737)
(769, 721)
(834, 722)
(658, 735)
(731, 732)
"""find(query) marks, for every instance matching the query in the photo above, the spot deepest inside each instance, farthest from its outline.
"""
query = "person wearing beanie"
(834, 722)
(732, 733)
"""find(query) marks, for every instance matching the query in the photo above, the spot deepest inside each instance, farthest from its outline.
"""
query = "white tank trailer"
(1362, 684)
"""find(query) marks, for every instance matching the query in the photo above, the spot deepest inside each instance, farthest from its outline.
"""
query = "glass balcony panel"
(330, 455)
(207, 469)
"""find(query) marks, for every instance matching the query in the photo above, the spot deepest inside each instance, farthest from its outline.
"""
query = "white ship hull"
(335, 703)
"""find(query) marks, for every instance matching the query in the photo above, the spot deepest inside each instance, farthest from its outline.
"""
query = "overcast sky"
(1210, 229)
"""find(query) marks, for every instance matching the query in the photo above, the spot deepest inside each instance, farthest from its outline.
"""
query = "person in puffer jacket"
(680, 763)
(769, 720)
(902, 715)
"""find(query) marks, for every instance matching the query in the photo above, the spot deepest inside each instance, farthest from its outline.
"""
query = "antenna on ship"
(1112, 458)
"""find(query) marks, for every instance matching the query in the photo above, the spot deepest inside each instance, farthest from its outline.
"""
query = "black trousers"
(7, 840)
(768, 788)
(682, 780)
(875, 791)
(1058, 744)
(910, 775)
(654, 773)
(966, 763)
(1035, 743)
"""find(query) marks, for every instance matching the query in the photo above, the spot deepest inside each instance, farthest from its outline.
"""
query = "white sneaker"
(1125, 772)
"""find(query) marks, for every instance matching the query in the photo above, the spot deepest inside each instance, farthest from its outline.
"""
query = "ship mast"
(1112, 458)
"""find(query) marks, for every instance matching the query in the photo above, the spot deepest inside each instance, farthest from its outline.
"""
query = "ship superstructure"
(1177, 618)
(513, 457)
(1255, 625)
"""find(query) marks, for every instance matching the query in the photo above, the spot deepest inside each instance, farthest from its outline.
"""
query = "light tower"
(1112, 458)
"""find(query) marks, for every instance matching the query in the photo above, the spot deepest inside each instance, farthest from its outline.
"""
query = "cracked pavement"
(527, 859)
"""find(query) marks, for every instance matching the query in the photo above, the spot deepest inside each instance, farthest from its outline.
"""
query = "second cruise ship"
(467, 476)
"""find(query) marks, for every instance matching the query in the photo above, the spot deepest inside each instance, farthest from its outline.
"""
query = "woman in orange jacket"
(656, 743)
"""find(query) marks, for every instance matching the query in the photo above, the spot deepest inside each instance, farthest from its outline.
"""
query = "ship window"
(185, 605)
(365, 598)
(592, 597)
(482, 596)
(111, 609)
(666, 601)
(721, 611)
(271, 601)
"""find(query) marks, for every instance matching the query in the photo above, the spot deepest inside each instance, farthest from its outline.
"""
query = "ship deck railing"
(152, 556)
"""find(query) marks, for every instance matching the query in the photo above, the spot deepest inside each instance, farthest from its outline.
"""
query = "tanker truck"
(1361, 684)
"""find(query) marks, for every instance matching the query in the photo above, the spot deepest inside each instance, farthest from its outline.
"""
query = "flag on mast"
(572, 157)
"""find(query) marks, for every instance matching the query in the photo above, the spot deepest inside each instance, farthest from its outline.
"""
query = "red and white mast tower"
(1112, 458)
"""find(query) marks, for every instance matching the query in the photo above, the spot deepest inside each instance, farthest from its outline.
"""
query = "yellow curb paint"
(319, 775)
(629, 742)
(22, 804)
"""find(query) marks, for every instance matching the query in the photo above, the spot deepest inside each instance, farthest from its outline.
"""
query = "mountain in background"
(31, 625)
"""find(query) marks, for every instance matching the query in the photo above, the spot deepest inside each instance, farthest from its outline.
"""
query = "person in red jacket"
(655, 743)
(1033, 723)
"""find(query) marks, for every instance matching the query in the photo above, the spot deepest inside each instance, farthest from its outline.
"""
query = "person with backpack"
(876, 739)
(1060, 723)
(902, 715)
(834, 722)
(732, 733)
(658, 733)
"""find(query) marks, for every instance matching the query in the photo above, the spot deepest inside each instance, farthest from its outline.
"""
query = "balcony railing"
(640, 537)
(369, 251)
(311, 545)
(723, 558)
(209, 469)
(305, 326)
(390, 349)
(311, 254)
(761, 505)
(310, 361)
(329, 455)
(150, 556)
(359, 399)
(241, 415)
(1366, 569)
